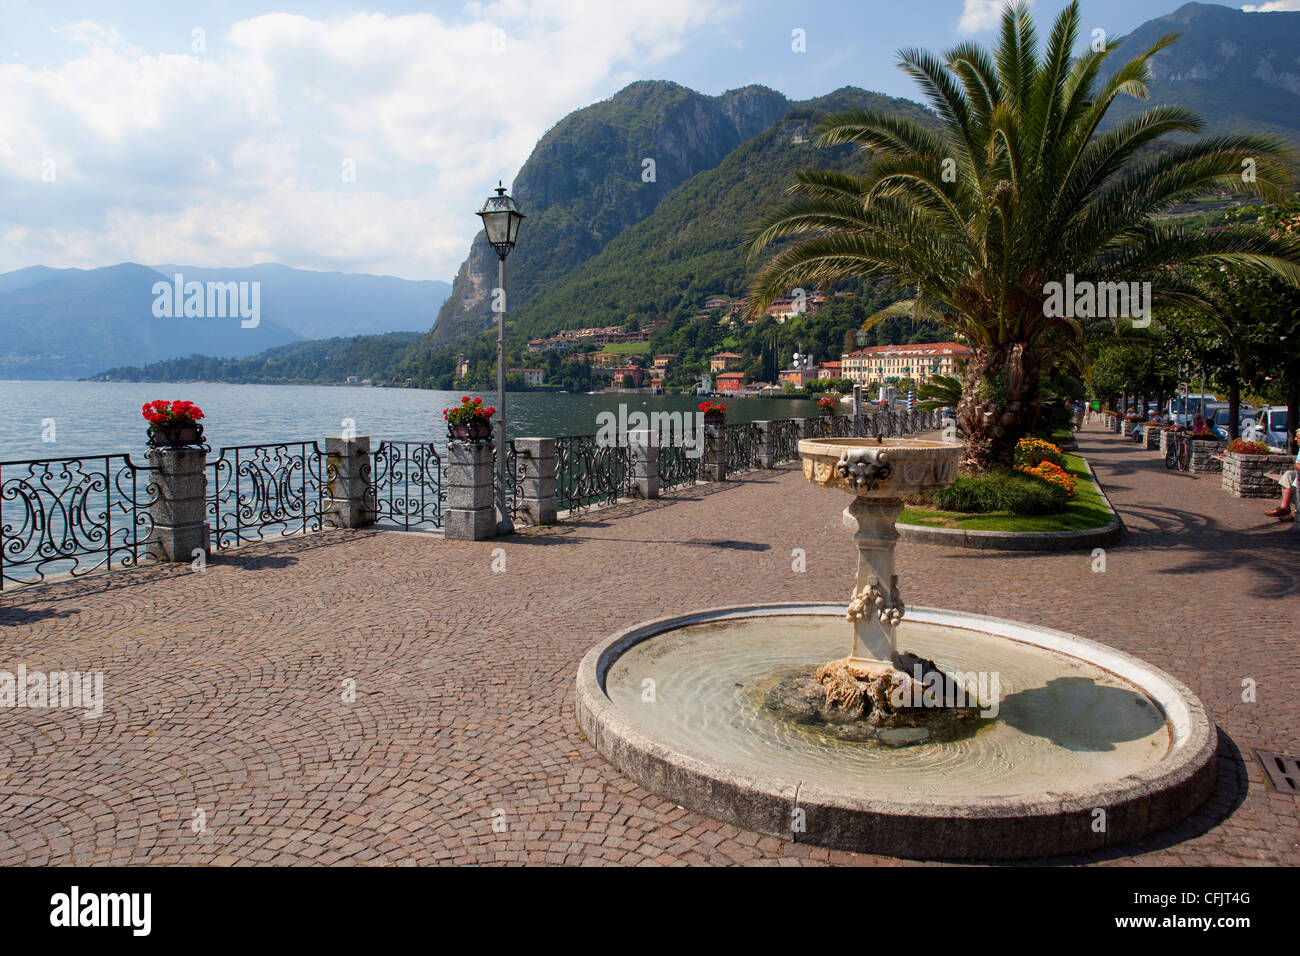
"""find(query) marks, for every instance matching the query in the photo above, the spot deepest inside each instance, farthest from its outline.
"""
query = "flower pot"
(713, 418)
(175, 435)
(479, 430)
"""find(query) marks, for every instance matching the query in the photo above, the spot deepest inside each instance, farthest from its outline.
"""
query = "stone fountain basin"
(922, 822)
(915, 465)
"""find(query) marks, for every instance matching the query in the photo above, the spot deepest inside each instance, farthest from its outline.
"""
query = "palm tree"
(939, 391)
(1013, 187)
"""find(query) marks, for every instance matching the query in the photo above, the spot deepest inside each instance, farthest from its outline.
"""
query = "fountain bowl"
(706, 757)
(913, 465)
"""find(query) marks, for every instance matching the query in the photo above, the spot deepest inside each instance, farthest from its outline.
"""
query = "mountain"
(693, 246)
(320, 305)
(324, 362)
(80, 321)
(70, 323)
(1240, 71)
(586, 181)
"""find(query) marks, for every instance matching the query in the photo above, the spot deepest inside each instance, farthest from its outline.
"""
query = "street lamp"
(501, 218)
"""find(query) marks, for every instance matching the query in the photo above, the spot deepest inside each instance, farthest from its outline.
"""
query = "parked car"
(1183, 409)
(1217, 417)
(1269, 426)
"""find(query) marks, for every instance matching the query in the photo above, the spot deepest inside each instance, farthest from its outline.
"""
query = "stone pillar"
(713, 467)
(872, 522)
(349, 502)
(178, 492)
(766, 449)
(1164, 441)
(644, 448)
(1201, 460)
(535, 459)
(1151, 436)
(471, 514)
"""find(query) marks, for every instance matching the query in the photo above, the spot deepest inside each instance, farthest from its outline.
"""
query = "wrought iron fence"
(589, 473)
(515, 471)
(279, 488)
(740, 447)
(406, 484)
(72, 516)
(678, 466)
(833, 426)
(783, 436)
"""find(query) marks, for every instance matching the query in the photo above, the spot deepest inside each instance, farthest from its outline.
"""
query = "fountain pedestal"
(879, 476)
(875, 607)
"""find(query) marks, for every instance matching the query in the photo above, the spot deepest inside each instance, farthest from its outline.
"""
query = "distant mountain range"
(651, 247)
(610, 236)
(71, 323)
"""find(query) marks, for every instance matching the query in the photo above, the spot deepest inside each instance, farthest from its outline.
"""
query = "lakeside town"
(619, 358)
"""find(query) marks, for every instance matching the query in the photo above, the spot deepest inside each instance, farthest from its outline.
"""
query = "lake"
(97, 418)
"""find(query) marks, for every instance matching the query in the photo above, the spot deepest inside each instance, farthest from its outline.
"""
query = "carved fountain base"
(912, 703)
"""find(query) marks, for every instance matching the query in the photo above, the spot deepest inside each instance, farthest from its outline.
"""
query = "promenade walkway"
(225, 690)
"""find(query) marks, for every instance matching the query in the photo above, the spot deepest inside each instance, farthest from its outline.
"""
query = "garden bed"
(1087, 510)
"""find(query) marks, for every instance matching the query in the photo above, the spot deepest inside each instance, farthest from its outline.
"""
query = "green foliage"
(999, 490)
(323, 362)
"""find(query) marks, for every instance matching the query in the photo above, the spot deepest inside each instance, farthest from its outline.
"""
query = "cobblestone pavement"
(224, 689)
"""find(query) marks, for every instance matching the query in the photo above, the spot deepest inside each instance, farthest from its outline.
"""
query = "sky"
(333, 136)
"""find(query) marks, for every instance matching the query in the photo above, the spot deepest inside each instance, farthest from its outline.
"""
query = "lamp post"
(501, 218)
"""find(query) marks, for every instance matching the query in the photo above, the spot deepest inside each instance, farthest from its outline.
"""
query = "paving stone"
(225, 689)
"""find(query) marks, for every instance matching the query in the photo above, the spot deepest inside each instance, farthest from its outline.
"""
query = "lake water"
(90, 418)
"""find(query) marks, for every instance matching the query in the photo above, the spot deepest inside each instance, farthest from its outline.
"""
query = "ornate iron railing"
(783, 437)
(72, 516)
(589, 473)
(833, 426)
(406, 484)
(279, 488)
(740, 447)
(515, 471)
(679, 465)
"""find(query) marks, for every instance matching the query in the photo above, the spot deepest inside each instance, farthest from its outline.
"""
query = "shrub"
(1239, 446)
(1203, 436)
(1031, 452)
(1015, 492)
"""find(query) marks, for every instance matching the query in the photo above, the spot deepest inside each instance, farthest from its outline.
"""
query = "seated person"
(1288, 482)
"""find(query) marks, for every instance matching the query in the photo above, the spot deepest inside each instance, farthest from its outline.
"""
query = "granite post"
(471, 514)
(178, 492)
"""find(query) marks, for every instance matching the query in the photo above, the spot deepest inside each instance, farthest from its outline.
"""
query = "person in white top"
(1288, 483)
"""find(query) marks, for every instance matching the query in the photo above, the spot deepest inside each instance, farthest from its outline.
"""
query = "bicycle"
(1179, 452)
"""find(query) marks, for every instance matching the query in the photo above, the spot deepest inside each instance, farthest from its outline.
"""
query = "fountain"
(982, 738)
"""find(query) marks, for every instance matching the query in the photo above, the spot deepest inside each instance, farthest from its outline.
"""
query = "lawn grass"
(1086, 510)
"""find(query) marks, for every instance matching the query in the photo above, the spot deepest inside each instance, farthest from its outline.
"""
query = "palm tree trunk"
(999, 404)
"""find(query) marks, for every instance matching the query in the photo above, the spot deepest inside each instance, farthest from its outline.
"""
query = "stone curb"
(1086, 539)
(1051, 823)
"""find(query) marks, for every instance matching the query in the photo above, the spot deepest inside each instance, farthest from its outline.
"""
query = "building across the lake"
(730, 381)
(725, 361)
(919, 362)
(532, 376)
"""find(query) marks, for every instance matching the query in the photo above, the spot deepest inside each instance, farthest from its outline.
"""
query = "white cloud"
(235, 155)
(1272, 6)
(979, 15)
